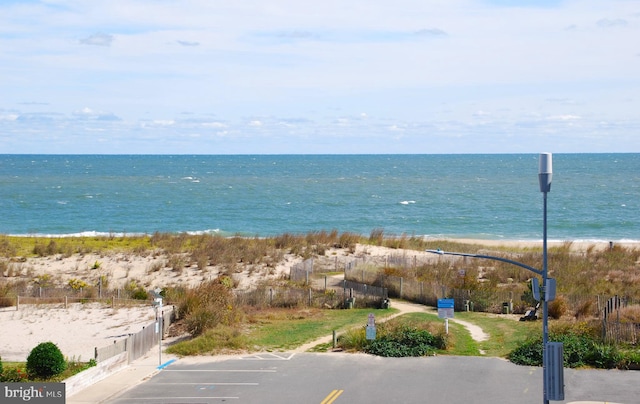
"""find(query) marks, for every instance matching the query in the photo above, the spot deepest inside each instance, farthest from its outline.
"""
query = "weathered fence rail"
(138, 344)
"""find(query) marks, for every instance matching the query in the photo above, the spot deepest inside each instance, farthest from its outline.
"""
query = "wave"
(426, 237)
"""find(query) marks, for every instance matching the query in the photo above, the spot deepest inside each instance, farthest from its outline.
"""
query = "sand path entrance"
(405, 307)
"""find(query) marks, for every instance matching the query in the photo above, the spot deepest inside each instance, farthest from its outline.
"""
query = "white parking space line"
(284, 356)
(160, 399)
(211, 384)
(221, 370)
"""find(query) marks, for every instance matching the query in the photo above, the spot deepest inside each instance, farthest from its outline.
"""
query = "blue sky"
(331, 76)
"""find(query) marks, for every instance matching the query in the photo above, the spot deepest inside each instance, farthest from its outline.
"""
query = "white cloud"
(451, 70)
(164, 122)
(566, 117)
(98, 39)
(609, 23)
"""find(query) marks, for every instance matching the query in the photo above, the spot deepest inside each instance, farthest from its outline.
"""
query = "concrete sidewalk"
(122, 380)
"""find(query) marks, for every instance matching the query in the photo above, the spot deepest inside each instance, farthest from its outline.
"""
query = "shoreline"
(576, 245)
(453, 238)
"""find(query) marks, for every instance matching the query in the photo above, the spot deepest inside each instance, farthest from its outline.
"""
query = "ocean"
(593, 197)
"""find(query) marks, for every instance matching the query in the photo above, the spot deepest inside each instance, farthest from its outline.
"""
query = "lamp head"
(545, 173)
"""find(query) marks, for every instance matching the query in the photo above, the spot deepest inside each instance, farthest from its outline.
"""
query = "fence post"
(65, 301)
(344, 289)
(113, 301)
(400, 287)
(126, 348)
(310, 296)
(325, 283)
(17, 302)
(270, 296)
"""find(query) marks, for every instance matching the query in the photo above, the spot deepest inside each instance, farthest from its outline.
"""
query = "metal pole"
(545, 175)
(545, 305)
(160, 333)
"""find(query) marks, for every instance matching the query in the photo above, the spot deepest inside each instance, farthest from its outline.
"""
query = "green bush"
(578, 351)
(45, 361)
(135, 291)
(406, 341)
(0, 366)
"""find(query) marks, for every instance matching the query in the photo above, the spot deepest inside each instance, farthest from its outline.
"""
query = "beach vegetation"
(406, 341)
(45, 360)
(206, 306)
(16, 372)
(413, 334)
(77, 284)
(135, 290)
(586, 279)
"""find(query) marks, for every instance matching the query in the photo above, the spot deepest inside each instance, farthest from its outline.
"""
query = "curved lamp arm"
(489, 257)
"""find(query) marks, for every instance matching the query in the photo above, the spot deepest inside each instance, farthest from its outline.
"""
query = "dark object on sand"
(531, 315)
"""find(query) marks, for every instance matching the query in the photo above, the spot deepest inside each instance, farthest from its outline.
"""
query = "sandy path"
(404, 307)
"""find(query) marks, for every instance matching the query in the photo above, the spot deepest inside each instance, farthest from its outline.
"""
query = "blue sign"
(445, 308)
(445, 303)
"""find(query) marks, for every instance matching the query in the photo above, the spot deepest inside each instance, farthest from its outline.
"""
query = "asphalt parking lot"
(349, 378)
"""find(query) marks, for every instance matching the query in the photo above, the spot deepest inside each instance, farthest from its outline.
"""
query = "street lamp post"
(547, 289)
(545, 174)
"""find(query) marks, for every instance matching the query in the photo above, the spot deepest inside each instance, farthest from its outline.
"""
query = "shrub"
(77, 284)
(201, 319)
(578, 350)
(406, 341)
(45, 361)
(206, 306)
(353, 340)
(604, 356)
(135, 290)
(558, 307)
(13, 375)
(0, 366)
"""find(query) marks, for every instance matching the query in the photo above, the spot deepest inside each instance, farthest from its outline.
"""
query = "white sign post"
(370, 330)
(157, 302)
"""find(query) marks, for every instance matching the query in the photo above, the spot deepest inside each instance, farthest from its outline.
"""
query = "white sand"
(76, 330)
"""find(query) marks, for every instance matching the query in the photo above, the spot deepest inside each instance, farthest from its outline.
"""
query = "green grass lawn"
(504, 334)
(276, 330)
(285, 329)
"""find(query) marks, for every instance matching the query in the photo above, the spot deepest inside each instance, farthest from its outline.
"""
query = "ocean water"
(497, 196)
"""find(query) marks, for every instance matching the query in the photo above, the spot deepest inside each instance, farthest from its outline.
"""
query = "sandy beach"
(78, 329)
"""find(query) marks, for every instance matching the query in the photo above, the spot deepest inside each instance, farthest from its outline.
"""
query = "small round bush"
(45, 361)
(0, 366)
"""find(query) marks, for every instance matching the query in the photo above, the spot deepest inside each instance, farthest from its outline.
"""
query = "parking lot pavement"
(356, 378)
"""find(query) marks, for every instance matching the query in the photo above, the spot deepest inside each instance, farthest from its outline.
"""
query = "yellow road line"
(332, 397)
